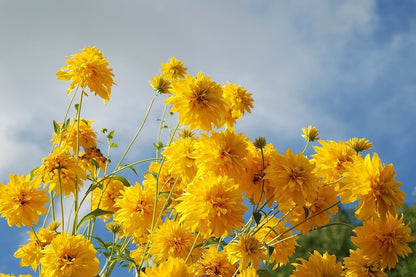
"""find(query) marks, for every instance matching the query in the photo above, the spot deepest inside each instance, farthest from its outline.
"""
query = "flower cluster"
(210, 203)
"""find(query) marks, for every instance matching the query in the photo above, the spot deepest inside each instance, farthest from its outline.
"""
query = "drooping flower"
(199, 102)
(212, 205)
(173, 70)
(172, 239)
(214, 263)
(380, 195)
(292, 176)
(69, 255)
(105, 198)
(173, 267)
(88, 69)
(222, 153)
(247, 250)
(360, 265)
(310, 134)
(160, 84)
(359, 145)
(238, 101)
(318, 266)
(384, 240)
(21, 201)
(61, 170)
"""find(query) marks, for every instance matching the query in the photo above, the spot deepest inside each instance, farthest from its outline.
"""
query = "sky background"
(346, 67)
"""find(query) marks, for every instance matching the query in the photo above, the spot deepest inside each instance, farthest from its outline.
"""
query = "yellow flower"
(31, 253)
(321, 199)
(135, 209)
(160, 84)
(61, 169)
(359, 144)
(360, 265)
(93, 154)
(69, 255)
(310, 133)
(222, 153)
(248, 272)
(284, 245)
(212, 205)
(292, 177)
(88, 69)
(173, 267)
(318, 266)
(173, 70)
(105, 198)
(167, 180)
(198, 101)
(247, 250)
(380, 194)
(21, 201)
(11, 275)
(214, 263)
(171, 239)
(238, 101)
(384, 240)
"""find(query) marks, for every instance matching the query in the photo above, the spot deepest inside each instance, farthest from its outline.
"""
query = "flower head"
(214, 263)
(160, 84)
(247, 250)
(238, 101)
(88, 69)
(173, 70)
(360, 265)
(69, 255)
(21, 201)
(105, 198)
(172, 267)
(359, 144)
(318, 266)
(310, 133)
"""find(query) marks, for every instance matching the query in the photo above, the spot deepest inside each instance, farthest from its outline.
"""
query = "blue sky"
(346, 67)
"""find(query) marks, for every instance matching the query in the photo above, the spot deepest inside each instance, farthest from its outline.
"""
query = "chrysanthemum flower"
(160, 84)
(238, 101)
(180, 158)
(11, 275)
(69, 255)
(330, 161)
(88, 69)
(61, 169)
(321, 199)
(166, 180)
(21, 201)
(214, 263)
(247, 250)
(310, 134)
(105, 198)
(31, 253)
(284, 245)
(359, 144)
(93, 154)
(173, 267)
(172, 239)
(380, 195)
(222, 153)
(318, 266)
(384, 240)
(360, 265)
(253, 183)
(199, 102)
(68, 139)
(135, 209)
(248, 272)
(212, 205)
(292, 177)
(174, 69)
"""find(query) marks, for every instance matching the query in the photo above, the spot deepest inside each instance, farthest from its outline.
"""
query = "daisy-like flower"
(88, 69)
(214, 263)
(68, 139)
(173, 267)
(135, 209)
(222, 153)
(310, 134)
(69, 255)
(171, 239)
(105, 198)
(380, 195)
(160, 84)
(321, 199)
(384, 240)
(359, 145)
(61, 170)
(292, 177)
(87, 161)
(318, 266)
(21, 201)
(11, 275)
(271, 234)
(248, 272)
(199, 102)
(238, 101)
(247, 250)
(360, 265)
(212, 205)
(173, 70)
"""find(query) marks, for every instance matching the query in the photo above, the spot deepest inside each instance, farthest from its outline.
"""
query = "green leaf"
(121, 179)
(306, 212)
(65, 125)
(91, 215)
(56, 127)
(110, 136)
(95, 164)
(76, 107)
(257, 217)
(263, 273)
(158, 145)
(114, 145)
(133, 169)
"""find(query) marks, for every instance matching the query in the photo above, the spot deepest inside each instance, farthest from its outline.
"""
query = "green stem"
(306, 146)
(61, 200)
(192, 248)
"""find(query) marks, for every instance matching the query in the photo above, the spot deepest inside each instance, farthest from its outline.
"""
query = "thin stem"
(192, 248)
(306, 146)
(61, 200)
